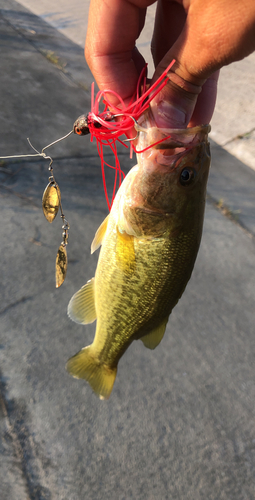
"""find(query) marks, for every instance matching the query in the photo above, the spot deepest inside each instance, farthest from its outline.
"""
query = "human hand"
(201, 35)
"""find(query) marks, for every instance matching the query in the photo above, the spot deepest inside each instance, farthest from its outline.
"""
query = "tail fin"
(100, 377)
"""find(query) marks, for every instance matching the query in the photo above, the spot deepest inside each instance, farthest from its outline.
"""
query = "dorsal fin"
(98, 238)
(152, 339)
(81, 307)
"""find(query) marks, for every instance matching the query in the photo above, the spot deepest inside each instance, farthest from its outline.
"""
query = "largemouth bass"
(149, 243)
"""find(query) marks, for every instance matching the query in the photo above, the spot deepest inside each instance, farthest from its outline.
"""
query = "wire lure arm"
(51, 203)
(42, 154)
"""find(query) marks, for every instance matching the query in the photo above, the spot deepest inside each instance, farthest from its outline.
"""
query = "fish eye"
(187, 176)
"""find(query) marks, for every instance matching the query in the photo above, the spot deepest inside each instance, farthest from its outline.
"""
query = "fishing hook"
(137, 127)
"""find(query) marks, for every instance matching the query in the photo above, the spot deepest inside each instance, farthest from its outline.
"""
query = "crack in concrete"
(40, 51)
(238, 136)
(230, 214)
(24, 446)
(14, 304)
(12, 435)
(19, 195)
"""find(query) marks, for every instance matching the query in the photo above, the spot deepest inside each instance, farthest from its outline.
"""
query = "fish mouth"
(181, 140)
(173, 144)
(163, 146)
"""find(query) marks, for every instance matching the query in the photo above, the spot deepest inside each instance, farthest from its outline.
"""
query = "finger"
(175, 104)
(206, 101)
(113, 27)
(139, 60)
(169, 23)
(214, 34)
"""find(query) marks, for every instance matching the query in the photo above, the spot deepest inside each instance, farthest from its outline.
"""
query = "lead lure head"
(80, 125)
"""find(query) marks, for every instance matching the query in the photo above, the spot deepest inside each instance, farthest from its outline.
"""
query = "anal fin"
(81, 307)
(152, 339)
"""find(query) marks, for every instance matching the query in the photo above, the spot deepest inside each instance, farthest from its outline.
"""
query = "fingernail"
(167, 115)
(173, 106)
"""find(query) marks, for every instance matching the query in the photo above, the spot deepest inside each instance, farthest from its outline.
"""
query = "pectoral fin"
(81, 307)
(97, 241)
(125, 252)
(155, 336)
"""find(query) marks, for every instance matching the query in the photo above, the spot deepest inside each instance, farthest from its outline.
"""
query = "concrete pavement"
(180, 421)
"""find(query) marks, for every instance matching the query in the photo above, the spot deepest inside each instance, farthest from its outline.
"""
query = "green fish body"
(149, 243)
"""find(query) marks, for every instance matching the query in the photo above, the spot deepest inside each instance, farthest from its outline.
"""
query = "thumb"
(174, 105)
(182, 103)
